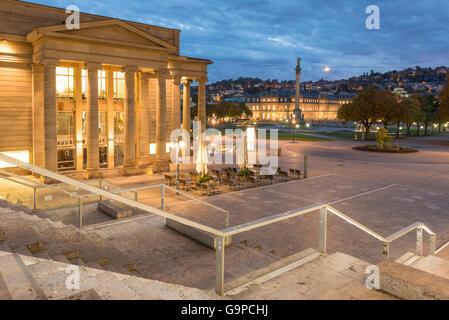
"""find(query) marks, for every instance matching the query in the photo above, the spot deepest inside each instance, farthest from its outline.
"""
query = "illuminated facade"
(279, 106)
(105, 95)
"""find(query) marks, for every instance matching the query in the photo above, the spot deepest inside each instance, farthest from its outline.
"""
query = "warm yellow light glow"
(5, 47)
(326, 69)
(22, 155)
(167, 147)
(182, 144)
(152, 148)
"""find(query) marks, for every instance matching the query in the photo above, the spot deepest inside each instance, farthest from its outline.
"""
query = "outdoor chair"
(169, 180)
(184, 184)
(283, 174)
(253, 179)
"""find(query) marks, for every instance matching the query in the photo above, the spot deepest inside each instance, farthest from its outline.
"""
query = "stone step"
(115, 209)
(112, 288)
(335, 276)
(19, 233)
(53, 277)
(4, 291)
(433, 265)
(55, 241)
(4, 248)
(19, 285)
(2, 234)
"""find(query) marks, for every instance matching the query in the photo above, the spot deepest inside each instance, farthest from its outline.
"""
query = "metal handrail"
(163, 185)
(222, 234)
(356, 224)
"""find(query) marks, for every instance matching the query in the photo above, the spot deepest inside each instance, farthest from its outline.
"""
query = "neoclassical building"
(106, 95)
(279, 106)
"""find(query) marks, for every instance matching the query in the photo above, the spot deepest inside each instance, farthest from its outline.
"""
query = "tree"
(443, 110)
(408, 112)
(362, 109)
(429, 106)
(387, 107)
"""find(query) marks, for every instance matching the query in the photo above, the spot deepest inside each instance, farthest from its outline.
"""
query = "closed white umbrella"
(201, 158)
(242, 153)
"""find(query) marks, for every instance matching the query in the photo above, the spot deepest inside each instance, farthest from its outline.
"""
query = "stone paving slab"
(166, 255)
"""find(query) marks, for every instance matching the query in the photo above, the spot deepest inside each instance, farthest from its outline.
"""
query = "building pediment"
(112, 31)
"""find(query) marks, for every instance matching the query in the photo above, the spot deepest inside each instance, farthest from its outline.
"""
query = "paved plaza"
(383, 192)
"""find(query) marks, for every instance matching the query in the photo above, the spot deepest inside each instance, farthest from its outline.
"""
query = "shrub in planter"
(244, 173)
(204, 178)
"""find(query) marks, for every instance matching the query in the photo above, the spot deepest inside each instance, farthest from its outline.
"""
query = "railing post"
(219, 275)
(101, 188)
(34, 198)
(419, 241)
(386, 251)
(306, 166)
(433, 243)
(162, 197)
(135, 196)
(322, 233)
(80, 211)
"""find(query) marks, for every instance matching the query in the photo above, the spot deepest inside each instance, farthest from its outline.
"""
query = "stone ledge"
(115, 209)
(408, 283)
(203, 237)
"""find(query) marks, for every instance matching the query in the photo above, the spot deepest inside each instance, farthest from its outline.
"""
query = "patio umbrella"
(242, 155)
(201, 157)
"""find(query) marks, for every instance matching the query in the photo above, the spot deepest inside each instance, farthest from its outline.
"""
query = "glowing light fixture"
(326, 68)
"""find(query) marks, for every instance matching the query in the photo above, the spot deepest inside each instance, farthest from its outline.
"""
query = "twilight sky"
(262, 38)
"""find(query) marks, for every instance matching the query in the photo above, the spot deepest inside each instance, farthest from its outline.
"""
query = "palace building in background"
(279, 106)
(106, 95)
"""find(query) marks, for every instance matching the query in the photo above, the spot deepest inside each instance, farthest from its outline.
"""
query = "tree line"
(372, 106)
(224, 109)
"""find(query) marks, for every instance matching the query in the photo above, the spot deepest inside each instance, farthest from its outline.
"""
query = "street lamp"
(293, 130)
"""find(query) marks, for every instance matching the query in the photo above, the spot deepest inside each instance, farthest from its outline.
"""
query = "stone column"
(78, 117)
(186, 105)
(143, 121)
(50, 125)
(38, 115)
(129, 163)
(202, 102)
(297, 110)
(161, 123)
(110, 116)
(176, 102)
(92, 136)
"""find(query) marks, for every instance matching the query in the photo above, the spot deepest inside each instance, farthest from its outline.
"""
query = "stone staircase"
(38, 255)
(313, 277)
(432, 264)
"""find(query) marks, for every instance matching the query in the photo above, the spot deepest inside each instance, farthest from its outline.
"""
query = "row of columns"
(48, 118)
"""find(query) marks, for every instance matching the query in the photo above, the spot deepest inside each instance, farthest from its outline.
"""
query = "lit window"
(119, 85)
(64, 83)
(84, 83)
(119, 123)
(102, 123)
(65, 124)
(152, 148)
(102, 84)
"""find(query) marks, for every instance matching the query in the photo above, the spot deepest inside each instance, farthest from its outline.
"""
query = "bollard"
(306, 166)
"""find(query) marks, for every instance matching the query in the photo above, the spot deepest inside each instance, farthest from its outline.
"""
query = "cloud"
(263, 38)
